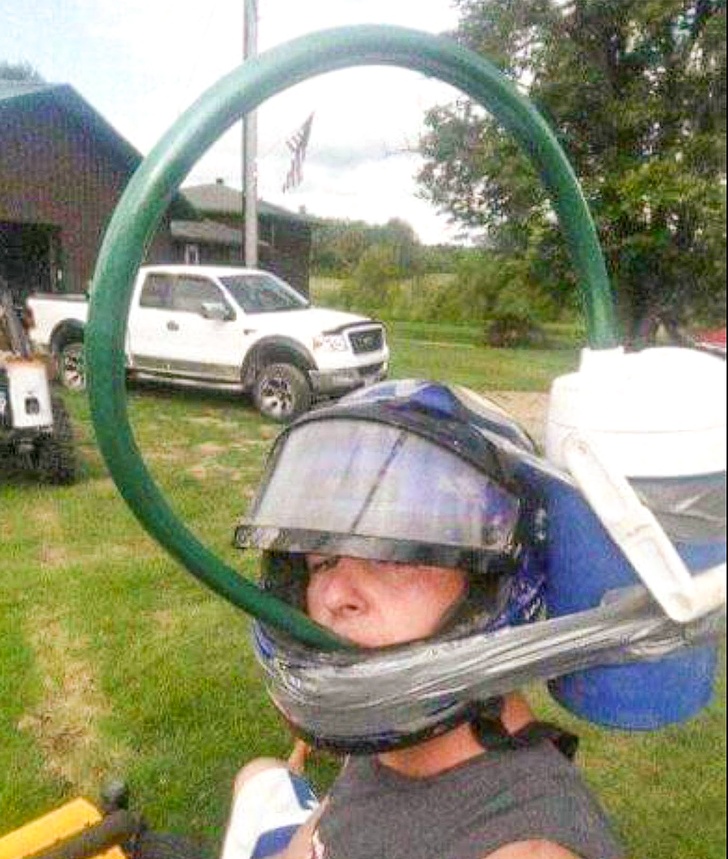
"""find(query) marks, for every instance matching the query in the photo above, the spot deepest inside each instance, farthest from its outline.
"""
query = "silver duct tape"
(405, 686)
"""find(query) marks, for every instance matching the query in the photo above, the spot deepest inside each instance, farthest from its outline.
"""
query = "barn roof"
(16, 89)
(16, 96)
(207, 232)
(220, 199)
(20, 95)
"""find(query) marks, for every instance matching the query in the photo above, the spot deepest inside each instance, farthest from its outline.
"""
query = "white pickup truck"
(239, 328)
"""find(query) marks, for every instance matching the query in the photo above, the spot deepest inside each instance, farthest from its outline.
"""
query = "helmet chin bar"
(371, 702)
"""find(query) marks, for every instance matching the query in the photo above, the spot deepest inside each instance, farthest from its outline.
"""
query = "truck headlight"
(330, 343)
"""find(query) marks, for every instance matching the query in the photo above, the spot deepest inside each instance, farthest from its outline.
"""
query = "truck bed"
(60, 296)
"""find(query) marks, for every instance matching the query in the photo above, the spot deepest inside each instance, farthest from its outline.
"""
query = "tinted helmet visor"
(372, 490)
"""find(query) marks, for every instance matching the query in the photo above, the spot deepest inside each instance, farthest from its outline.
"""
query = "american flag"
(297, 145)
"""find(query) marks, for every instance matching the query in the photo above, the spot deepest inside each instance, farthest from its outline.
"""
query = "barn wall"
(56, 173)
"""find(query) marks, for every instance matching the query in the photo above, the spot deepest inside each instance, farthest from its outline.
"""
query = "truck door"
(184, 326)
(146, 331)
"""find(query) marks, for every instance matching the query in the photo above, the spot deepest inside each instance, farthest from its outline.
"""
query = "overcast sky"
(141, 63)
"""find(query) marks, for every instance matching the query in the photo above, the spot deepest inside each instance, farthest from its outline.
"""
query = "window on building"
(192, 254)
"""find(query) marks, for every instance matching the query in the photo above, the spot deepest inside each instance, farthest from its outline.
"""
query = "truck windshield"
(263, 293)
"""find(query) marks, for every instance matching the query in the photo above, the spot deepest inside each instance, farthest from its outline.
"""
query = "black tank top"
(468, 812)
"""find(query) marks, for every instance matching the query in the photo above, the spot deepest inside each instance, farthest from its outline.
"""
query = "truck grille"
(367, 340)
(370, 370)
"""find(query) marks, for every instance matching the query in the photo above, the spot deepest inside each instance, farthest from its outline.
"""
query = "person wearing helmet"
(400, 520)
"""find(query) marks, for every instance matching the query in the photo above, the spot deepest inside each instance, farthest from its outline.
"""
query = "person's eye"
(320, 565)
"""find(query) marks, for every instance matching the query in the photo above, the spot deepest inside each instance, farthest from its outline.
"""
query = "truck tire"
(55, 455)
(72, 366)
(281, 392)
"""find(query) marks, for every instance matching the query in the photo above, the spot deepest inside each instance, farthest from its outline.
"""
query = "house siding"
(284, 247)
(288, 252)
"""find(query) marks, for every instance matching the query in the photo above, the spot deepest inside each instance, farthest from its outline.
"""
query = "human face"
(380, 603)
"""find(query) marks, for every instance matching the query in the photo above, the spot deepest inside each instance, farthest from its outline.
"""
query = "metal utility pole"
(250, 146)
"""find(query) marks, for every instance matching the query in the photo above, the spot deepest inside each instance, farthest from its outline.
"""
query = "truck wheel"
(282, 393)
(72, 366)
(55, 456)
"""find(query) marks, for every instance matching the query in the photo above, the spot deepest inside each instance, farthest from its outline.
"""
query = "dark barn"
(63, 169)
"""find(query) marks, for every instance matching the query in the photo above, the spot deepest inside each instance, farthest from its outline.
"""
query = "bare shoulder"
(532, 850)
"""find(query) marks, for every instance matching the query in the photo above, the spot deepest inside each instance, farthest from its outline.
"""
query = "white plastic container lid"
(658, 413)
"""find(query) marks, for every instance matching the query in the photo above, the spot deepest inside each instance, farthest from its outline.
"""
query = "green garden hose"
(158, 179)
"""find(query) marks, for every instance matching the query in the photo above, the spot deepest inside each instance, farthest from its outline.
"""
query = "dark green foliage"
(513, 330)
(386, 272)
(483, 289)
(372, 283)
(635, 90)
(19, 72)
(339, 246)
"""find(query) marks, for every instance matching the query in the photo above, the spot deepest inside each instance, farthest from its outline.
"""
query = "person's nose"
(339, 588)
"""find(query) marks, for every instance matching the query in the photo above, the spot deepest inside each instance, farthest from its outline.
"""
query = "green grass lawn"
(115, 662)
(479, 368)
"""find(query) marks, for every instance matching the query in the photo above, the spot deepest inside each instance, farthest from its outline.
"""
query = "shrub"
(511, 330)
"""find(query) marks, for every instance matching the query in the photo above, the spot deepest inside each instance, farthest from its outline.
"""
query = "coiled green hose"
(159, 177)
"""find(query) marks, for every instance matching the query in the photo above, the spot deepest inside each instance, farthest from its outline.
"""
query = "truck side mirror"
(216, 310)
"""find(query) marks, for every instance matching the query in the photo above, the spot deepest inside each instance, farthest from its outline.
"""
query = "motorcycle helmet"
(414, 473)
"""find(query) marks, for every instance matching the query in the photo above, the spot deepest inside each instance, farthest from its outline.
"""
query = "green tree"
(372, 287)
(635, 90)
(405, 246)
(339, 246)
(19, 72)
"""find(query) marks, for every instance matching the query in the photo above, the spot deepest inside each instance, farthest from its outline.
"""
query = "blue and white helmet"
(410, 472)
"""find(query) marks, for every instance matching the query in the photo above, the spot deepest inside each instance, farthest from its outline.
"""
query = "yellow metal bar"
(46, 832)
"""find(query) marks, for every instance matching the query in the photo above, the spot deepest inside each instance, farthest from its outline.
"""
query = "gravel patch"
(528, 408)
